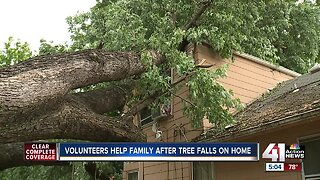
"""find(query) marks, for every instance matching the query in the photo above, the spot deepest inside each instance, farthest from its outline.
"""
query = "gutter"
(303, 116)
(267, 64)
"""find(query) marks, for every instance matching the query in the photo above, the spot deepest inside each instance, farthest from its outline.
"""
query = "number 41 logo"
(275, 152)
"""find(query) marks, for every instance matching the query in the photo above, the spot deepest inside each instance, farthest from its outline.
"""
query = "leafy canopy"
(14, 52)
(282, 32)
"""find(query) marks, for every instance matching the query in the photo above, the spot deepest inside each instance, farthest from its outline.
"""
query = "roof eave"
(267, 64)
(261, 62)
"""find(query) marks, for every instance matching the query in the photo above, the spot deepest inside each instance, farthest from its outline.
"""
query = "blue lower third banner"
(158, 152)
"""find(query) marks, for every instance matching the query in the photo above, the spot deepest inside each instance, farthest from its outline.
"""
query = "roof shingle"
(288, 99)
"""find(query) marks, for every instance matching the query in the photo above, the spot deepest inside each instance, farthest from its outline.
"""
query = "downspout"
(142, 170)
(175, 163)
(168, 167)
(182, 173)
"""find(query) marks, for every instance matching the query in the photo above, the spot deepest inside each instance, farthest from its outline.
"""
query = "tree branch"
(70, 119)
(150, 99)
(197, 15)
(192, 22)
(45, 78)
(106, 99)
(184, 99)
(95, 172)
(142, 104)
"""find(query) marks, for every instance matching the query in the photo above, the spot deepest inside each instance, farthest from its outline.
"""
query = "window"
(202, 170)
(147, 115)
(164, 111)
(133, 175)
(311, 162)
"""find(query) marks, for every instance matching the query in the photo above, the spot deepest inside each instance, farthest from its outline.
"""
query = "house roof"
(291, 101)
(255, 59)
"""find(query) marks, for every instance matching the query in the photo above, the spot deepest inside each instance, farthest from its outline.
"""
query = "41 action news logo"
(278, 152)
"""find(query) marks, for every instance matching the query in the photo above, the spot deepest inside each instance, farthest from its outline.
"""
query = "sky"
(31, 20)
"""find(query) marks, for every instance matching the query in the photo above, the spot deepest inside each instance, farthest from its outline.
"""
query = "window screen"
(133, 176)
(145, 116)
(202, 171)
(311, 162)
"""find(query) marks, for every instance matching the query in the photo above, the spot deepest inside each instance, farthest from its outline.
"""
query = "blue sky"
(32, 20)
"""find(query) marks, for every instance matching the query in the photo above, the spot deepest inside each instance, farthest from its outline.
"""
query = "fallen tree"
(36, 102)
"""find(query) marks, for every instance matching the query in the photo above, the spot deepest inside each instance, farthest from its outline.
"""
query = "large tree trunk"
(46, 78)
(36, 103)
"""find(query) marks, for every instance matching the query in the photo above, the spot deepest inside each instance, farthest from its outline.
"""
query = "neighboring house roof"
(291, 101)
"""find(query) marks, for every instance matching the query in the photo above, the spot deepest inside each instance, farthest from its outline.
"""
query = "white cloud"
(35, 19)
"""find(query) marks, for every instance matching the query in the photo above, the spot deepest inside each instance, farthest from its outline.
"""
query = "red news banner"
(40, 152)
(292, 167)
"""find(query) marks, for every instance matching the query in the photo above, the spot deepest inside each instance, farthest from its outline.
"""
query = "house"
(249, 78)
(289, 114)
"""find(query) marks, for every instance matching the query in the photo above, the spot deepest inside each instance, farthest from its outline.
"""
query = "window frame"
(211, 164)
(133, 171)
(147, 124)
(308, 138)
(145, 119)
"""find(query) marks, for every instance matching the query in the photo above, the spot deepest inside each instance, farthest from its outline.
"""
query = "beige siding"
(246, 78)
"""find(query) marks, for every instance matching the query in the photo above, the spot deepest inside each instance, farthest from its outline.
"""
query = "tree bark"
(36, 103)
(70, 119)
(35, 99)
(107, 99)
(46, 78)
